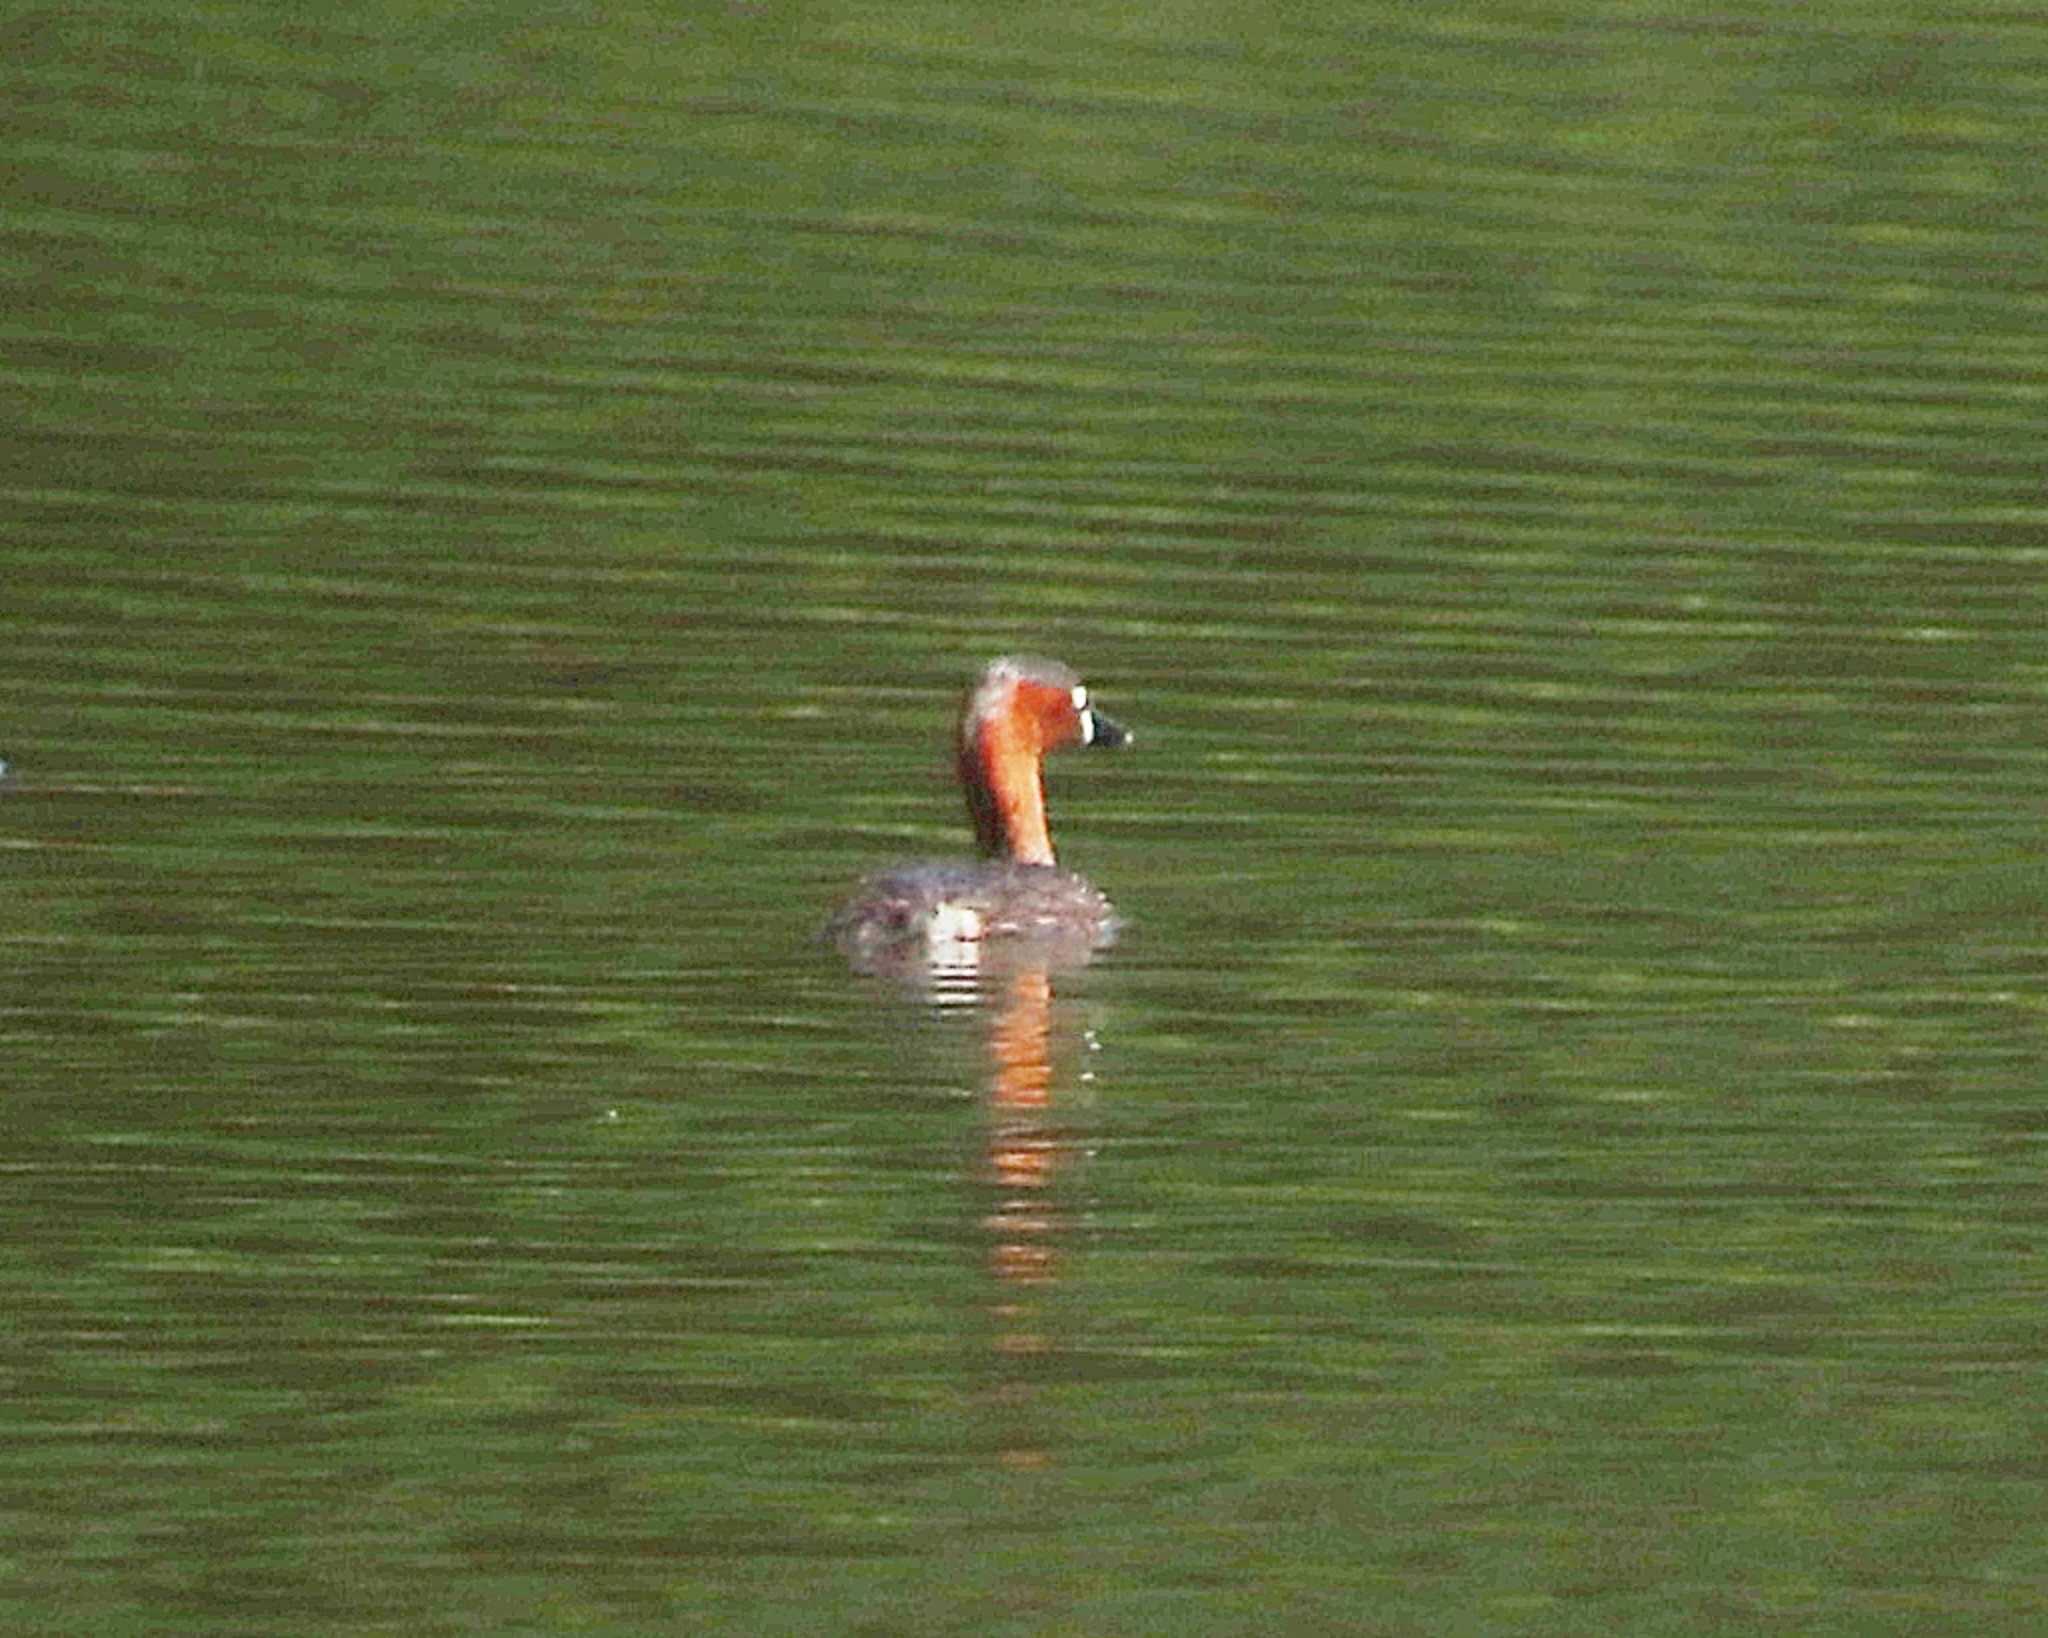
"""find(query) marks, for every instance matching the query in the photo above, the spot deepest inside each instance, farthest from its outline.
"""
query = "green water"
(497, 509)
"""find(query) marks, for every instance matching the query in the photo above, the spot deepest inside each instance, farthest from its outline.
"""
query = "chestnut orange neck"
(1002, 771)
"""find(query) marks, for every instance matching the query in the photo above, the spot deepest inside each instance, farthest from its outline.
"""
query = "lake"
(499, 510)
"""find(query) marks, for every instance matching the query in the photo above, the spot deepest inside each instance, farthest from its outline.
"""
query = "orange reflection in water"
(1025, 1151)
(1023, 1156)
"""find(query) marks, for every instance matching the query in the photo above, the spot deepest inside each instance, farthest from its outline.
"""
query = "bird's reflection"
(1028, 1147)
(1023, 1149)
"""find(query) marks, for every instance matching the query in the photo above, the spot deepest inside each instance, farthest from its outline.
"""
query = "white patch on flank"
(953, 924)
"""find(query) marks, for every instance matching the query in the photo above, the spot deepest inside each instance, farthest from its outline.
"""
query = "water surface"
(497, 513)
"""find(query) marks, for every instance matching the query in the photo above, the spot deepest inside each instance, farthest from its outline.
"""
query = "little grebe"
(1017, 711)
